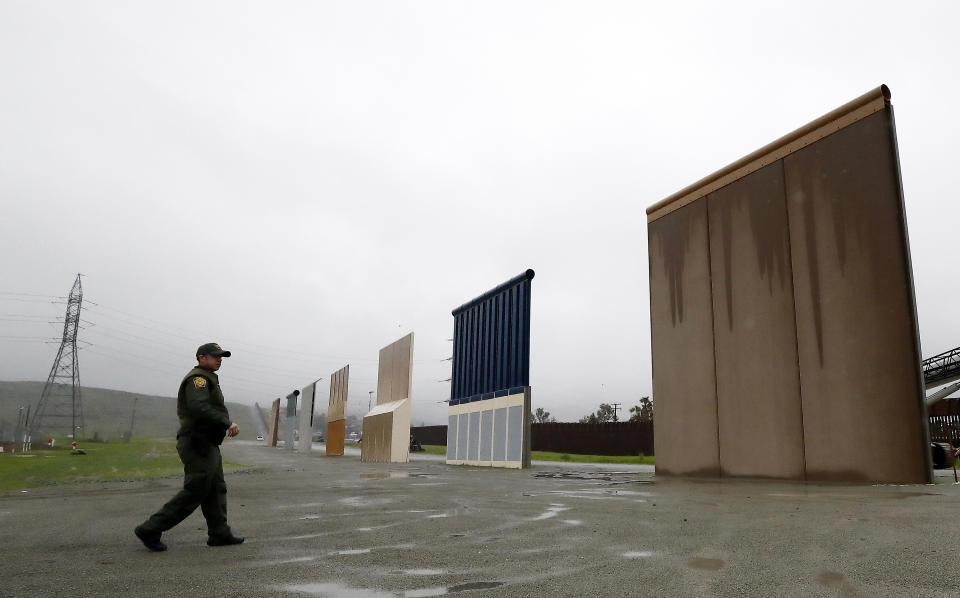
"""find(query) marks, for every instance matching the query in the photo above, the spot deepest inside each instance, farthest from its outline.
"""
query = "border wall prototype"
(290, 421)
(489, 412)
(274, 423)
(783, 318)
(386, 429)
(305, 424)
(337, 411)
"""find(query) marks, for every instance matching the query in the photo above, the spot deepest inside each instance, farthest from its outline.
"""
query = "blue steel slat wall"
(491, 342)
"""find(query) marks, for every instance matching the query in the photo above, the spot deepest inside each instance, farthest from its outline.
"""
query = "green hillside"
(107, 413)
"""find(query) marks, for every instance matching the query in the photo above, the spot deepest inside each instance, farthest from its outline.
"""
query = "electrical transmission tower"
(60, 409)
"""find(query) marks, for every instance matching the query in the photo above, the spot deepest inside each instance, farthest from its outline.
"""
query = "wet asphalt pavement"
(319, 526)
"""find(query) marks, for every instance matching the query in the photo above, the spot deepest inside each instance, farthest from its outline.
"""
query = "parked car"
(259, 436)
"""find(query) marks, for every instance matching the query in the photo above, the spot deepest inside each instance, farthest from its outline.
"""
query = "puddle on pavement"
(462, 587)
(385, 475)
(305, 505)
(836, 581)
(618, 477)
(489, 539)
(362, 501)
(304, 536)
(290, 561)
(637, 554)
(705, 564)
(550, 512)
(334, 590)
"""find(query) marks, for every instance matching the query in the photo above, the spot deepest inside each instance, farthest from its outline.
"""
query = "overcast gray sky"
(305, 182)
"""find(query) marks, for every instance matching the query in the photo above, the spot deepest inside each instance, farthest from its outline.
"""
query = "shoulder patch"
(200, 382)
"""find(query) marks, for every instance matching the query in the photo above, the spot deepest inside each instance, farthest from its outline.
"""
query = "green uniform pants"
(203, 486)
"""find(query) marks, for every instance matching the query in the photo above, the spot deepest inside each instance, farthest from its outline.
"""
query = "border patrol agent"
(204, 422)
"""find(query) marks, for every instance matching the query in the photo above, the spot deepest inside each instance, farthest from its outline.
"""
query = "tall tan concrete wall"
(859, 357)
(682, 333)
(783, 318)
(755, 339)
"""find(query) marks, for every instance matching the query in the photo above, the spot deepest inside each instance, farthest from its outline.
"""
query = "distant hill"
(107, 413)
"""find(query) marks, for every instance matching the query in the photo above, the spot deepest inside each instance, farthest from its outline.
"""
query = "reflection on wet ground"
(336, 590)
(705, 563)
(617, 477)
(637, 554)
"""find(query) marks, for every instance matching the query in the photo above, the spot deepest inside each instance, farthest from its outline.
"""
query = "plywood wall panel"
(682, 338)
(758, 379)
(858, 353)
(386, 433)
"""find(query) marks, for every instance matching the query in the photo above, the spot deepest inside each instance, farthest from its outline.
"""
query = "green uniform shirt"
(200, 402)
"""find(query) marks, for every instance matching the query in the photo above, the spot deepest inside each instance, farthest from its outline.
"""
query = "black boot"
(150, 539)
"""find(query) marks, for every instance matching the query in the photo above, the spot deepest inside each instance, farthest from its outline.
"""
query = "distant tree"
(642, 412)
(542, 417)
(603, 415)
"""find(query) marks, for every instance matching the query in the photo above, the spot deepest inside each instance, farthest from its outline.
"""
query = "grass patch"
(434, 449)
(139, 459)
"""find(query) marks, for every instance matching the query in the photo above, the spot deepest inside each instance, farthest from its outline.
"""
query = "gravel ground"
(319, 526)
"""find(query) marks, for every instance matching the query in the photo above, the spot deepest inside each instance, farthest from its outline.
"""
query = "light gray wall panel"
(515, 434)
(473, 447)
(462, 436)
(486, 435)
(500, 434)
(452, 437)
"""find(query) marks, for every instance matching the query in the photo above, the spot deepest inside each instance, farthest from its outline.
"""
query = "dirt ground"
(319, 526)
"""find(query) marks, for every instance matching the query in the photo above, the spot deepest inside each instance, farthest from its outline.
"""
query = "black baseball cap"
(212, 349)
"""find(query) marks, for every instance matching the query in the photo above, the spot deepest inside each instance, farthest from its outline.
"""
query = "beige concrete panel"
(858, 349)
(274, 423)
(681, 322)
(386, 433)
(339, 386)
(758, 380)
(394, 377)
(385, 374)
(401, 381)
